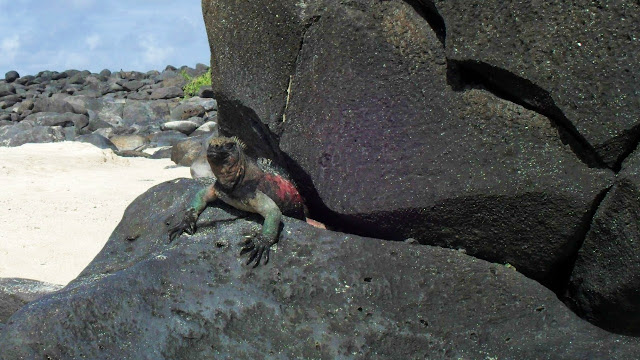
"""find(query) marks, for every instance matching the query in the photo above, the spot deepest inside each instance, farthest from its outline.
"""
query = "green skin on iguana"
(246, 185)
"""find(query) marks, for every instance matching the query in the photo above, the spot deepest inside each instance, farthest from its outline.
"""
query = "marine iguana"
(246, 184)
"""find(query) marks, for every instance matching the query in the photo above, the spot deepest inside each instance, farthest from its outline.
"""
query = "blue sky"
(92, 35)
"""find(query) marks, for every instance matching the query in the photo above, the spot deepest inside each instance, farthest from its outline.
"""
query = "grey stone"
(164, 153)
(200, 167)
(184, 126)
(24, 106)
(206, 92)
(106, 132)
(97, 140)
(78, 79)
(26, 80)
(605, 282)
(143, 112)
(15, 293)
(128, 142)
(210, 127)
(24, 132)
(132, 85)
(52, 105)
(323, 295)
(11, 76)
(187, 110)
(7, 89)
(9, 100)
(185, 152)
(58, 119)
(166, 93)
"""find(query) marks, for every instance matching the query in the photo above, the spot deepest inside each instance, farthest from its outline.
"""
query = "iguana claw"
(258, 246)
(183, 221)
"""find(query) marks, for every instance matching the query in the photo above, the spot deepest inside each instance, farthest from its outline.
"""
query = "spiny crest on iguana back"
(221, 140)
(268, 166)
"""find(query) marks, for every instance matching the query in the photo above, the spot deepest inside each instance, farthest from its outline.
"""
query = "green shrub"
(194, 83)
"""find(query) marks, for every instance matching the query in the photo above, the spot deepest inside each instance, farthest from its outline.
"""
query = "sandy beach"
(59, 202)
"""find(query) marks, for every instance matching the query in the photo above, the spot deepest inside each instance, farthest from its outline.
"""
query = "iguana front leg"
(185, 220)
(259, 246)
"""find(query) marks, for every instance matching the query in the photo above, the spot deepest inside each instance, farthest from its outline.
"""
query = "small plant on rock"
(194, 83)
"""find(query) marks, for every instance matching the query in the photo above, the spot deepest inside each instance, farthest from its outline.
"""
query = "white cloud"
(92, 41)
(10, 46)
(153, 53)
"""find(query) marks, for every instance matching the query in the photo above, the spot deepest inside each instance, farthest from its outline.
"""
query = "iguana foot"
(182, 221)
(258, 246)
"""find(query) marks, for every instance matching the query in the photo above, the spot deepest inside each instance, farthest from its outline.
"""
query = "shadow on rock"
(322, 295)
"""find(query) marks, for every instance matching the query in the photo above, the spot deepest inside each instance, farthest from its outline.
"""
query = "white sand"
(60, 202)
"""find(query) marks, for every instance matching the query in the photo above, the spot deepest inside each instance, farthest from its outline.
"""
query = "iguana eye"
(229, 146)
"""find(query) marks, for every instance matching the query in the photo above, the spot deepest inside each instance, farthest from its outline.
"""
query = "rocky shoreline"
(127, 111)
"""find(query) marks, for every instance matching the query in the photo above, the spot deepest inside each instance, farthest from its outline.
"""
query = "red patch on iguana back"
(284, 189)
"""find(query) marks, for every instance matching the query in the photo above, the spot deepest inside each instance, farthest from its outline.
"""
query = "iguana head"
(227, 160)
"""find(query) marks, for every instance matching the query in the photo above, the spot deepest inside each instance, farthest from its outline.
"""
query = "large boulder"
(143, 112)
(605, 282)
(575, 61)
(52, 105)
(385, 141)
(26, 132)
(16, 293)
(322, 295)
(59, 119)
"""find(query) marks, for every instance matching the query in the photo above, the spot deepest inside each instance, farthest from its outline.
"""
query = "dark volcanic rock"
(52, 105)
(132, 85)
(186, 110)
(57, 119)
(206, 92)
(11, 76)
(384, 145)
(185, 152)
(251, 90)
(605, 283)
(24, 132)
(164, 153)
(97, 140)
(569, 59)
(9, 101)
(15, 293)
(167, 93)
(128, 142)
(7, 89)
(323, 295)
(143, 112)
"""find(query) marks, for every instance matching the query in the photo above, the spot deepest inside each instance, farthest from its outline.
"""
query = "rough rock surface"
(323, 295)
(105, 104)
(15, 293)
(605, 283)
(22, 133)
(382, 143)
(575, 61)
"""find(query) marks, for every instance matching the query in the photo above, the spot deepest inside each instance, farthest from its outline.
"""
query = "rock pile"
(127, 111)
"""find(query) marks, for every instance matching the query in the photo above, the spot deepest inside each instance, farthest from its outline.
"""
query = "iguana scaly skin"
(245, 184)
